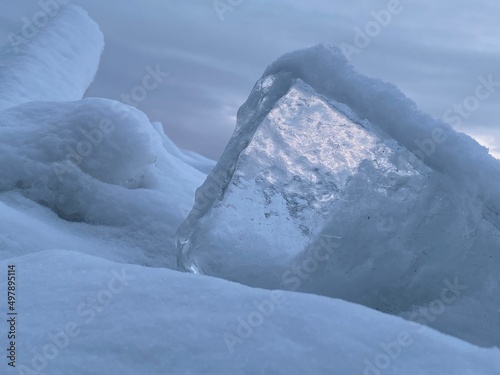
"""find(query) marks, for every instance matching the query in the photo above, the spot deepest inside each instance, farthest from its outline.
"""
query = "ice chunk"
(323, 189)
(285, 184)
(457, 155)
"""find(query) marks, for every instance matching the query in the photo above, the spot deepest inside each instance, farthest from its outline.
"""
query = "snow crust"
(127, 319)
(57, 63)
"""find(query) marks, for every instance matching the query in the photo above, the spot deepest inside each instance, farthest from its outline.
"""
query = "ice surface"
(286, 183)
(455, 154)
(56, 62)
(83, 315)
(323, 188)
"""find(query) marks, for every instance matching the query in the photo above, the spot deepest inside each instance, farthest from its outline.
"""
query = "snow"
(191, 158)
(111, 318)
(92, 193)
(56, 62)
(97, 163)
(315, 158)
(91, 175)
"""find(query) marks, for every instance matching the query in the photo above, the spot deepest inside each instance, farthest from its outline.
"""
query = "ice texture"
(336, 184)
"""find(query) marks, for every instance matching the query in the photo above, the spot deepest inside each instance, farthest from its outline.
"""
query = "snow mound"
(127, 319)
(57, 63)
(323, 189)
(92, 175)
(97, 162)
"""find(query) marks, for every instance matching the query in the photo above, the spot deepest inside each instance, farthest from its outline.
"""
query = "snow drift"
(56, 62)
(91, 175)
(335, 183)
(127, 319)
(98, 162)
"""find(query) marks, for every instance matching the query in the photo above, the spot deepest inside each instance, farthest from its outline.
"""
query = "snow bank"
(80, 314)
(56, 62)
(97, 162)
(28, 227)
(91, 175)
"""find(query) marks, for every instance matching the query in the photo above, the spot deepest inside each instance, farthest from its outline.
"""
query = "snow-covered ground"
(92, 193)
(83, 315)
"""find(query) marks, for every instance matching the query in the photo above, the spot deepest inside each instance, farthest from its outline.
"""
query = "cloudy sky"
(436, 52)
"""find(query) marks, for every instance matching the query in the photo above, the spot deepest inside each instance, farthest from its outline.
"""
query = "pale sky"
(433, 51)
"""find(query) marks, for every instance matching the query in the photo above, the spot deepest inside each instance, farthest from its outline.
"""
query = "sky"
(444, 55)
